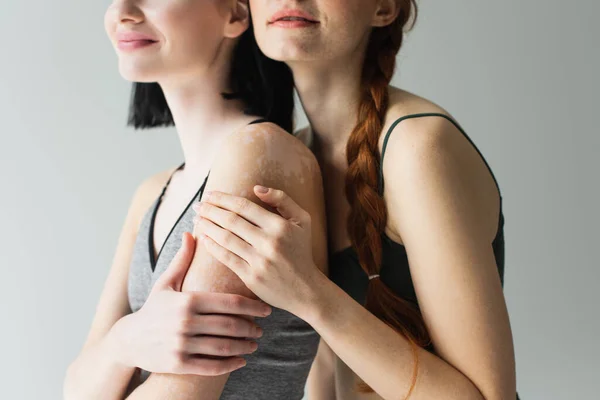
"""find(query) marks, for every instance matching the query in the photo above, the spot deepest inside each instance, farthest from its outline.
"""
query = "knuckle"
(235, 302)
(282, 229)
(279, 194)
(232, 219)
(216, 197)
(230, 326)
(227, 239)
(271, 251)
(241, 204)
(224, 348)
(256, 276)
(204, 208)
(264, 265)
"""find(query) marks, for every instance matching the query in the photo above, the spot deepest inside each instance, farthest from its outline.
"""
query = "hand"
(174, 331)
(271, 254)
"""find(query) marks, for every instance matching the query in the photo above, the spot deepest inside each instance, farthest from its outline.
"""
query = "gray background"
(520, 76)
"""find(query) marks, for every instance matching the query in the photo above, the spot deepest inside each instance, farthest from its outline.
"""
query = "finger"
(226, 303)
(223, 325)
(195, 365)
(283, 203)
(243, 207)
(216, 346)
(174, 275)
(226, 239)
(230, 221)
(238, 265)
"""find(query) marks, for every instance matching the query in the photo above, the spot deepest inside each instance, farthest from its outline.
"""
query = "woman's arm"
(444, 205)
(96, 373)
(120, 341)
(259, 154)
(321, 379)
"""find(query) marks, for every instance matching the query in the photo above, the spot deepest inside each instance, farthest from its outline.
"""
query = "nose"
(126, 11)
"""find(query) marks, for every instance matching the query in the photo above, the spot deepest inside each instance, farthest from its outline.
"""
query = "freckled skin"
(270, 157)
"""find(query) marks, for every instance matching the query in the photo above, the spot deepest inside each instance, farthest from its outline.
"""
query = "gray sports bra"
(280, 366)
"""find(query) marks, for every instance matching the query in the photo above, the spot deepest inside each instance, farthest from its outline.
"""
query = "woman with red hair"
(414, 305)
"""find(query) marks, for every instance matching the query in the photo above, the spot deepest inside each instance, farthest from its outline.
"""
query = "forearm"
(179, 387)
(96, 373)
(379, 355)
(321, 379)
(204, 275)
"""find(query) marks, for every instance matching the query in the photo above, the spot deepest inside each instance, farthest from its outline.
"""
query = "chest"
(334, 170)
(171, 207)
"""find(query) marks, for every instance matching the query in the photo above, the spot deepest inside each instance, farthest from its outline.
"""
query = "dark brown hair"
(368, 215)
(265, 86)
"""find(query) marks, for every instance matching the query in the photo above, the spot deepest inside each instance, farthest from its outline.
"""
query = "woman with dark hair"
(416, 307)
(175, 324)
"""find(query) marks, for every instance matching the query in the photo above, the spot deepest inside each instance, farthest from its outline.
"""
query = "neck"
(330, 93)
(203, 118)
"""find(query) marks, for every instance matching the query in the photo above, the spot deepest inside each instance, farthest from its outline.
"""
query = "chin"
(291, 50)
(137, 73)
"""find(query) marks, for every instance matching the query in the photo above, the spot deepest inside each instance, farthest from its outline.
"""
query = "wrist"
(113, 344)
(319, 299)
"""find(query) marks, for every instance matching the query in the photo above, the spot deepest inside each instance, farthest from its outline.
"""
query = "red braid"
(368, 215)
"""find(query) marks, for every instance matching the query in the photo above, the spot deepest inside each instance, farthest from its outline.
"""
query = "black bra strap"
(258, 121)
(396, 122)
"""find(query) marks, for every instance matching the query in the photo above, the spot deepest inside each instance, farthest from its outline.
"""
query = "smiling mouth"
(295, 19)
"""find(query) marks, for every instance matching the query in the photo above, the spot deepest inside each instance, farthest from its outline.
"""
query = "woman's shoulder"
(433, 149)
(412, 120)
(267, 145)
(406, 106)
(148, 191)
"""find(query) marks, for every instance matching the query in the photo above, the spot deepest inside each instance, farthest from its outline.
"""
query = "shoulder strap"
(171, 177)
(396, 122)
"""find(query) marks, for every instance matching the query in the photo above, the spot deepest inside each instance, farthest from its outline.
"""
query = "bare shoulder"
(417, 139)
(267, 151)
(264, 154)
(147, 191)
(432, 149)
(424, 136)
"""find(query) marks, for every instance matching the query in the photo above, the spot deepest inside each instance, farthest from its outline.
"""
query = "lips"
(292, 16)
(131, 40)
(132, 36)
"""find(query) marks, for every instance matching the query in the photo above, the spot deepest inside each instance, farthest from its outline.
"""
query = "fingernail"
(267, 311)
(261, 189)
(253, 346)
(258, 332)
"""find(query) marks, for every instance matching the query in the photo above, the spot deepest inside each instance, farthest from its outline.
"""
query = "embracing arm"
(259, 154)
(444, 208)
